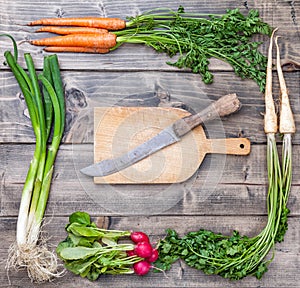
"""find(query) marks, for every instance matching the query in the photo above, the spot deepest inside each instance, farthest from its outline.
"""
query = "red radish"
(130, 253)
(137, 237)
(143, 249)
(142, 267)
(154, 256)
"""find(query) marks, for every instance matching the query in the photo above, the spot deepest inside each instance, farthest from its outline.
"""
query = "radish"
(130, 253)
(143, 249)
(142, 267)
(137, 237)
(154, 256)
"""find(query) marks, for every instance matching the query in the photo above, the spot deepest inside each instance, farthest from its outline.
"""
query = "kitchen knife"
(224, 106)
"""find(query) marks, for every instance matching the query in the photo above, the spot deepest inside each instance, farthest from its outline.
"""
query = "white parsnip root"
(286, 122)
(270, 231)
(286, 127)
(279, 172)
(270, 119)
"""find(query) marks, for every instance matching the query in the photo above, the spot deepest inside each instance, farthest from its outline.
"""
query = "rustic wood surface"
(226, 193)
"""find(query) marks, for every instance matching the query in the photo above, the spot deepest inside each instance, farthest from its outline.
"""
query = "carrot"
(107, 40)
(76, 49)
(106, 23)
(71, 30)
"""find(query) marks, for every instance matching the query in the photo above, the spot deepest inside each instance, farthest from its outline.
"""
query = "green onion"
(47, 113)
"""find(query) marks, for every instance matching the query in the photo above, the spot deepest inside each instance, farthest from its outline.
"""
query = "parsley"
(197, 37)
(234, 256)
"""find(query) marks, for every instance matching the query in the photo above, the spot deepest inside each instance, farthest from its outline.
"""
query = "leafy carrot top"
(199, 37)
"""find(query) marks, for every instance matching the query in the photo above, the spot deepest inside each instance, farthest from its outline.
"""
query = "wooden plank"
(227, 192)
(15, 15)
(86, 90)
(283, 271)
(223, 186)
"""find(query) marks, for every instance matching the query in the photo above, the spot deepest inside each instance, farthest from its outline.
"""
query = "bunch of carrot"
(194, 38)
(85, 35)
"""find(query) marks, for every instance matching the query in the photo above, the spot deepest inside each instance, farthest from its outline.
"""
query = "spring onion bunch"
(47, 113)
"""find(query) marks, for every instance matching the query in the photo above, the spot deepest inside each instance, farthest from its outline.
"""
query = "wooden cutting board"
(120, 129)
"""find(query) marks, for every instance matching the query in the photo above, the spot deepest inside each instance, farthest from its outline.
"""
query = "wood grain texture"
(227, 192)
(222, 186)
(88, 89)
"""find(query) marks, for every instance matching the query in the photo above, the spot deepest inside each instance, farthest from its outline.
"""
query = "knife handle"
(224, 106)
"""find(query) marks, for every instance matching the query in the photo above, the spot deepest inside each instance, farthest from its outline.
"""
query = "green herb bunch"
(198, 37)
(233, 257)
(210, 252)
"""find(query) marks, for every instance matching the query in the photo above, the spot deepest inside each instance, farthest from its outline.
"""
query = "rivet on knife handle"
(226, 105)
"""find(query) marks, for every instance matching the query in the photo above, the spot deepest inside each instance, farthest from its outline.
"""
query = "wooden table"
(226, 193)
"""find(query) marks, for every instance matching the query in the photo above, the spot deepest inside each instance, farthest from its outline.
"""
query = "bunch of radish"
(143, 249)
(91, 251)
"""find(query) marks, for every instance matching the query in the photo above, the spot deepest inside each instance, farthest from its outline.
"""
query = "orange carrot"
(106, 23)
(71, 30)
(107, 40)
(76, 49)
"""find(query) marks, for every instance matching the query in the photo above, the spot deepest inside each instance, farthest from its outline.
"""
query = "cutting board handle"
(232, 146)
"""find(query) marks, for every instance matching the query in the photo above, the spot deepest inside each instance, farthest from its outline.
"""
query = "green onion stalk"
(47, 113)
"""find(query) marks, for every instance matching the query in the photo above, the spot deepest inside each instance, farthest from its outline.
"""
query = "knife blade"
(224, 106)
